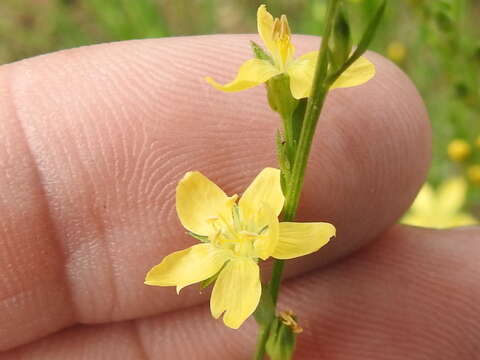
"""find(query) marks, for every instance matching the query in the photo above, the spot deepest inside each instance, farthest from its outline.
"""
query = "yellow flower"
(442, 208)
(276, 35)
(234, 237)
(473, 173)
(477, 141)
(397, 51)
(458, 150)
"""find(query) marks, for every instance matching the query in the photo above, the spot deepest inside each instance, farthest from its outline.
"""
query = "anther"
(289, 319)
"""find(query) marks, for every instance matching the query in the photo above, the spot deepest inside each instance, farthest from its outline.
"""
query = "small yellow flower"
(458, 150)
(473, 173)
(235, 236)
(276, 36)
(477, 141)
(396, 51)
(442, 208)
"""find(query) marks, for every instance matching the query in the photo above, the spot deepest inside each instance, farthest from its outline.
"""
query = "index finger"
(94, 140)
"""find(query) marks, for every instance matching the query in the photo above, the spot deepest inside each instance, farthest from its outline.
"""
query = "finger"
(97, 138)
(413, 294)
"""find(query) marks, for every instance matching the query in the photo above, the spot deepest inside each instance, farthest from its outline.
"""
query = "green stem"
(295, 182)
(261, 341)
(288, 129)
(312, 113)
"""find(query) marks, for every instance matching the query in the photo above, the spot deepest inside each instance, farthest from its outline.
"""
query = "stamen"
(285, 28)
(289, 319)
(276, 29)
(281, 35)
(213, 221)
(236, 217)
(262, 230)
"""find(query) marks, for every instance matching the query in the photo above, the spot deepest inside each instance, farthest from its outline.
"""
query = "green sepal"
(202, 238)
(259, 53)
(281, 341)
(265, 311)
(207, 282)
(280, 97)
(340, 42)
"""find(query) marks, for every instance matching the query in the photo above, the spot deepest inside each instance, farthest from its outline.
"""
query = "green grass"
(441, 39)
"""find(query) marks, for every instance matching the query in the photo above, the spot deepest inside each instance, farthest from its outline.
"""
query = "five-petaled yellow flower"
(235, 236)
(276, 36)
(440, 209)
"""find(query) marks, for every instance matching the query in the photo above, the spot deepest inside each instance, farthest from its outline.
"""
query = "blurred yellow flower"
(473, 173)
(441, 208)
(396, 51)
(234, 237)
(458, 150)
(477, 141)
(276, 36)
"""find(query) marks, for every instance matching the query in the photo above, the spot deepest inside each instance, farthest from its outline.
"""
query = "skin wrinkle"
(44, 204)
(47, 184)
(139, 341)
(135, 224)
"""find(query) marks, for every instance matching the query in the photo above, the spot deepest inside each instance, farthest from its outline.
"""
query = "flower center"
(281, 36)
(235, 233)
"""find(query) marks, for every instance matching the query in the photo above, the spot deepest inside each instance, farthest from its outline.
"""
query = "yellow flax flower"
(440, 209)
(459, 150)
(234, 237)
(477, 141)
(473, 173)
(396, 51)
(276, 36)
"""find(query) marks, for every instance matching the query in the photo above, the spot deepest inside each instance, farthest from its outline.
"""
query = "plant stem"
(314, 107)
(312, 113)
(295, 182)
(261, 341)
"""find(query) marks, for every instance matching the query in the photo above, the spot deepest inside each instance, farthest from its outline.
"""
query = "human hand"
(92, 143)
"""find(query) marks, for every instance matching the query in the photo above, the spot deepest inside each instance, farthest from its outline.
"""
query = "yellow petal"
(358, 73)
(420, 220)
(425, 202)
(188, 266)
(236, 292)
(267, 241)
(265, 28)
(253, 72)
(265, 189)
(462, 219)
(301, 72)
(198, 200)
(298, 239)
(451, 195)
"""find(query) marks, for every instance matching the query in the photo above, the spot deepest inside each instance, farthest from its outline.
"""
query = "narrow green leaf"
(369, 33)
(341, 41)
(365, 41)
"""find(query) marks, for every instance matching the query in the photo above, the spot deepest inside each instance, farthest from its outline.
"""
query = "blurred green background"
(437, 42)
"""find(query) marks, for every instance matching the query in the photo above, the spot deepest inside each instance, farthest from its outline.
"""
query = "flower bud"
(282, 338)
